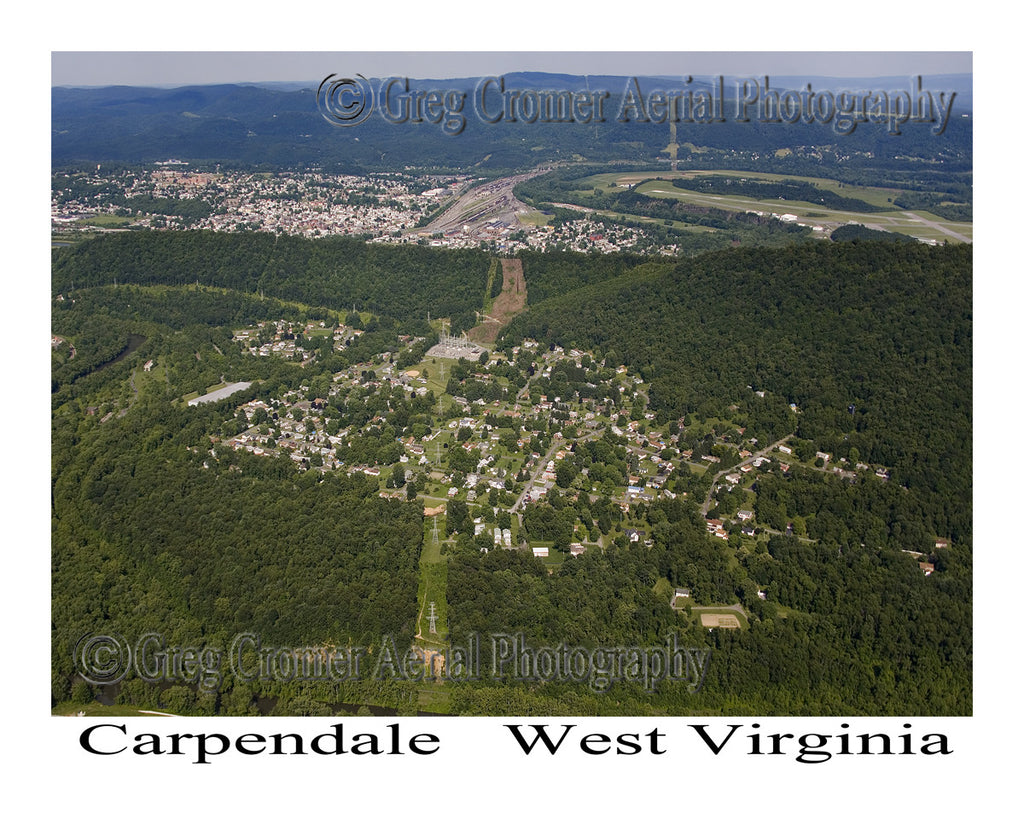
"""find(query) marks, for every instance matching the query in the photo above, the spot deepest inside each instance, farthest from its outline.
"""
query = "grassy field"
(554, 559)
(604, 180)
(433, 586)
(533, 218)
(665, 190)
(433, 699)
(155, 381)
(435, 384)
(640, 221)
(58, 239)
(106, 220)
(871, 195)
(492, 271)
(894, 219)
(663, 588)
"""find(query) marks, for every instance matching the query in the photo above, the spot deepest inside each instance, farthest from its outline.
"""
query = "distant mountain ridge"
(280, 124)
(962, 84)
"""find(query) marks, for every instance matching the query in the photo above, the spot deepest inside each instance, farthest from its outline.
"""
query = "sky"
(93, 68)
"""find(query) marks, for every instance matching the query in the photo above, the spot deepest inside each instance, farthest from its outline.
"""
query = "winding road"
(723, 472)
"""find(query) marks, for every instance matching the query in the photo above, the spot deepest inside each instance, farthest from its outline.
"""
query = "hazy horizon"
(174, 69)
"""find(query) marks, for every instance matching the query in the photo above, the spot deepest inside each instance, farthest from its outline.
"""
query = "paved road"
(788, 534)
(917, 217)
(723, 472)
(542, 464)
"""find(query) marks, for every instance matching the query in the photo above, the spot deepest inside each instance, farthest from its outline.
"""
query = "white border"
(477, 773)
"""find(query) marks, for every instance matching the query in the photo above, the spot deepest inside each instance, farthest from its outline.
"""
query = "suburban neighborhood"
(502, 441)
(386, 207)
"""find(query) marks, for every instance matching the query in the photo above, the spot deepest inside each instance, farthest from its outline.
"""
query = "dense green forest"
(852, 233)
(844, 631)
(180, 536)
(399, 281)
(157, 526)
(870, 341)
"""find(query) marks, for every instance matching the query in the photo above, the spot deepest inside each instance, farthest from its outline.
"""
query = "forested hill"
(160, 524)
(267, 126)
(405, 282)
(870, 341)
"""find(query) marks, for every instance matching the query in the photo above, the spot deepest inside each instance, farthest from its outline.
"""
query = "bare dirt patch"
(510, 302)
(719, 621)
(434, 662)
